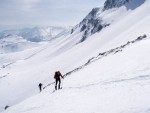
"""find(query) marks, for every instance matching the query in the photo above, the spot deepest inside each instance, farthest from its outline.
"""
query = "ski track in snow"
(35, 53)
(3, 76)
(28, 57)
(32, 108)
(101, 83)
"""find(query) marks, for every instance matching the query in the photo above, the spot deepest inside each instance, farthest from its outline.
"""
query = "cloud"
(25, 5)
(24, 13)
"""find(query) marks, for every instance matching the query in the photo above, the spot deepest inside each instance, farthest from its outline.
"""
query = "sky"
(28, 13)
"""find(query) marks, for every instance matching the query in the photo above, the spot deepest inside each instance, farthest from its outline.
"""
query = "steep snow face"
(130, 4)
(90, 24)
(35, 34)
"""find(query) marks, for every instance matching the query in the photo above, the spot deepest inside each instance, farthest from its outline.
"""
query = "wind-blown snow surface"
(117, 83)
(100, 87)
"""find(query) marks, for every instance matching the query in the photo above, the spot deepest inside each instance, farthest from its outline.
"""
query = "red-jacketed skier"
(57, 79)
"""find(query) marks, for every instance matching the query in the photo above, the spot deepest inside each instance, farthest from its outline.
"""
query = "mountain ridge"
(96, 20)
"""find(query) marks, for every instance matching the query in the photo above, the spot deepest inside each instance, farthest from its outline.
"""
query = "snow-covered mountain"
(14, 43)
(19, 40)
(130, 4)
(108, 72)
(100, 18)
(35, 34)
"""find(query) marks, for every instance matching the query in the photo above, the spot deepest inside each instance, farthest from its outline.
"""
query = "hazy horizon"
(15, 14)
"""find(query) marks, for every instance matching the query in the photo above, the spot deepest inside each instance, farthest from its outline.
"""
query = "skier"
(6, 107)
(40, 86)
(57, 79)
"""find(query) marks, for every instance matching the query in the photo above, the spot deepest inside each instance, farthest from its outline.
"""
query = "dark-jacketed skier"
(40, 86)
(57, 79)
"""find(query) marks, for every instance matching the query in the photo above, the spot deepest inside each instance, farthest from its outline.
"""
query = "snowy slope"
(124, 75)
(100, 87)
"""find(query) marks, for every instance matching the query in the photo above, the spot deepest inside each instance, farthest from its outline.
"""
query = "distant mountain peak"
(114, 3)
(35, 34)
(130, 4)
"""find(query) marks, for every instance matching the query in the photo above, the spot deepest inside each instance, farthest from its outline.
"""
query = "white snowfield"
(116, 83)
